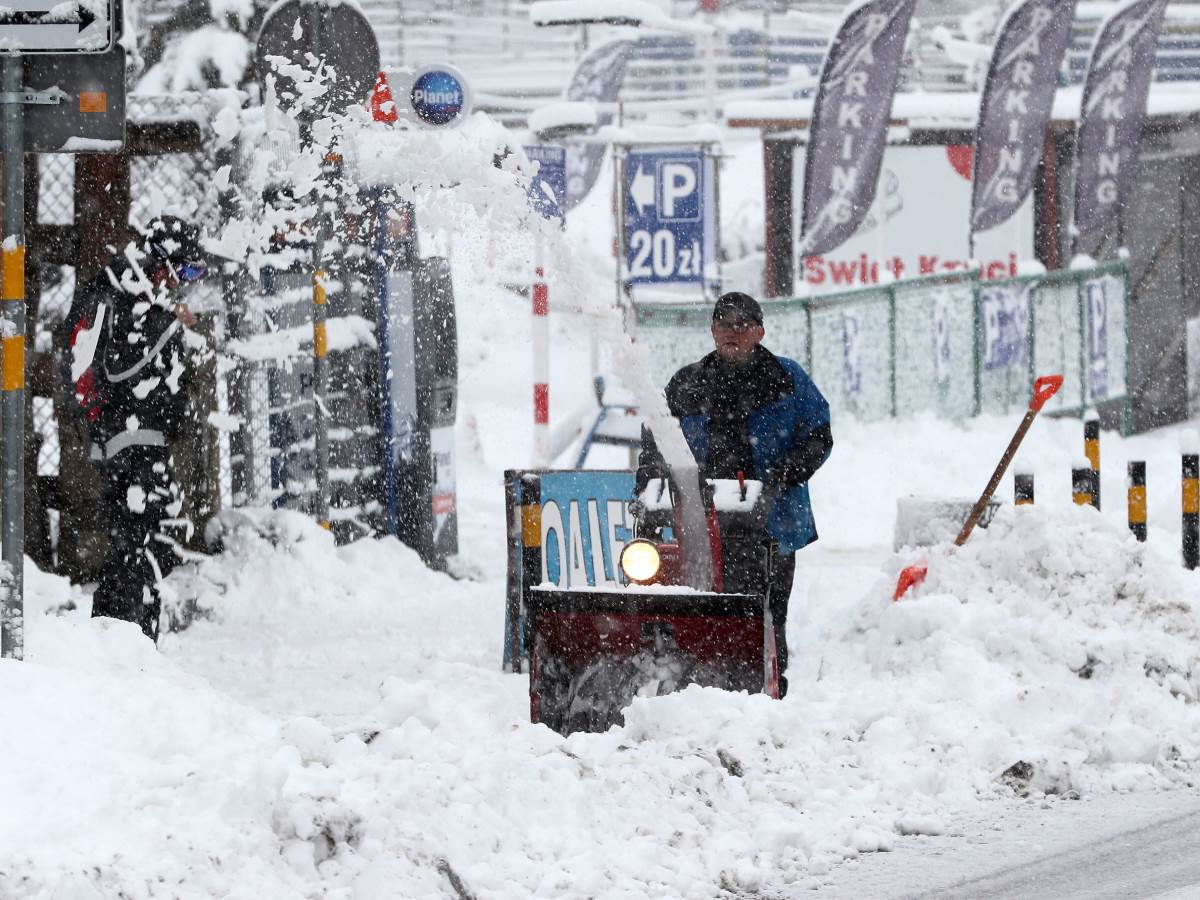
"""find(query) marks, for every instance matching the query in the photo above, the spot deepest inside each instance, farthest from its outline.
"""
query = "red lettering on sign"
(843, 272)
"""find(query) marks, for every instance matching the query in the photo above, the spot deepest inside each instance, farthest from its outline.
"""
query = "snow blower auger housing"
(593, 649)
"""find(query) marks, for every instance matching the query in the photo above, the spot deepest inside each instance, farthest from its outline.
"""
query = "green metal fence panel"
(1056, 337)
(1003, 311)
(1105, 344)
(852, 352)
(935, 346)
(947, 344)
(674, 334)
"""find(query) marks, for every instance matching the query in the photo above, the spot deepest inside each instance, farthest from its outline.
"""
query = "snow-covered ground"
(340, 726)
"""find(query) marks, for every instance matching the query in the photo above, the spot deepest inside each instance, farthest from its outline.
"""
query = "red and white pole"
(541, 358)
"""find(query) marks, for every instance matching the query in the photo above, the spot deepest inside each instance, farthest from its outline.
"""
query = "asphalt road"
(1160, 861)
(1105, 847)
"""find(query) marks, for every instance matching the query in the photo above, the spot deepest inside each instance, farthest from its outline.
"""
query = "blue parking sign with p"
(670, 204)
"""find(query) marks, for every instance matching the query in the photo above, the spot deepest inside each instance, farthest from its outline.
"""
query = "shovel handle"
(1044, 388)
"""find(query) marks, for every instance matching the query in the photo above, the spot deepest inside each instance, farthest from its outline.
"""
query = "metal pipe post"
(1136, 498)
(12, 357)
(1023, 488)
(320, 383)
(1081, 485)
(1091, 449)
(540, 293)
(1191, 510)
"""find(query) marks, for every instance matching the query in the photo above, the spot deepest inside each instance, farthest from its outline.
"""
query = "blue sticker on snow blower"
(585, 526)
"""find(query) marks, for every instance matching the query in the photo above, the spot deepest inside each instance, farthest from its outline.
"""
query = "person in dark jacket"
(131, 366)
(745, 410)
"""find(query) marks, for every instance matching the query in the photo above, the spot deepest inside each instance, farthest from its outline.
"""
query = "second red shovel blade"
(910, 577)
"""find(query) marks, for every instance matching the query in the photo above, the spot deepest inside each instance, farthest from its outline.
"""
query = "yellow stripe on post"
(531, 525)
(12, 364)
(1137, 504)
(319, 287)
(12, 271)
(1191, 493)
(320, 341)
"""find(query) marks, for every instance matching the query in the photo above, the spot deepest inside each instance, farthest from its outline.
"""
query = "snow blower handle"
(1043, 389)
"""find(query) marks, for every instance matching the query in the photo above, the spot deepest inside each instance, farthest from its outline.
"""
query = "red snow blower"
(595, 649)
(1044, 388)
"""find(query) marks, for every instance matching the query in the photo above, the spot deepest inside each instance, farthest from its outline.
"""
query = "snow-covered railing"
(949, 344)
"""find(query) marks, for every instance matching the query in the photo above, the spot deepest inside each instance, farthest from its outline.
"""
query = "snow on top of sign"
(565, 114)
(632, 12)
(639, 133)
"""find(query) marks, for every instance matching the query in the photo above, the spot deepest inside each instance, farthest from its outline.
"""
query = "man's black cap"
(737, 304)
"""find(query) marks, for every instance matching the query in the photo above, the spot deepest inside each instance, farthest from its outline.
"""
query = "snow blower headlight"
(640, 562)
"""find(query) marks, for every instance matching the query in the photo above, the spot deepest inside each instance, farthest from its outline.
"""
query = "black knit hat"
(172, 240)
(739, 304)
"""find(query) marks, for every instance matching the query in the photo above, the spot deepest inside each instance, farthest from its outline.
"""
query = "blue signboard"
(585, 525)
(670, 216)
(548, 188)
(439, 95)
(1005, 315)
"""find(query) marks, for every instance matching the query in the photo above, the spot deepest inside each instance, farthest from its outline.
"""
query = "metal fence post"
(892, 341)
(978, 340)
(1127, 410)
(12, 357)
(1084, 376)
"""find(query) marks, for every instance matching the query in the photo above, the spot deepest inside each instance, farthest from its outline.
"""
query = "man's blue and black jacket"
(765, 418)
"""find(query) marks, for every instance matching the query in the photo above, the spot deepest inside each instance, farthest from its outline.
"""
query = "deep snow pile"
(1051, 639)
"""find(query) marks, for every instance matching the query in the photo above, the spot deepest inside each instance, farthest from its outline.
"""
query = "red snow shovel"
(1043, 389)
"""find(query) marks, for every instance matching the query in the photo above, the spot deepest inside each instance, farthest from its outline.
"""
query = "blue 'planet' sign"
(439, 95)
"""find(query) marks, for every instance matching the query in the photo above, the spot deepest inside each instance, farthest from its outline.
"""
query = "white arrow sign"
(39, 25)
(642, 190)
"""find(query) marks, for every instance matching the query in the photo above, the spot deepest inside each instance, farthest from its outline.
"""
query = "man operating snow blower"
(749, 414)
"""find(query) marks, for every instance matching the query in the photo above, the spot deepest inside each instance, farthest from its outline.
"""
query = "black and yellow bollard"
(1091, 449)
(531, 552)
(1082, 481)
(1023, 488)
(1191, 510)
(1137, 499)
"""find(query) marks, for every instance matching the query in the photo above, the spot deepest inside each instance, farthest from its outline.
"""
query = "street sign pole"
(619, 155)
(12, 354)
